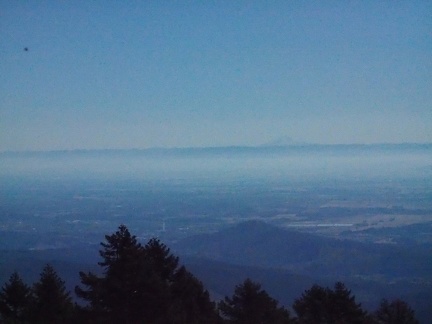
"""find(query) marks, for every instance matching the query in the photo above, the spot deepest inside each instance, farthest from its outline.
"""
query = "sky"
(141, 74)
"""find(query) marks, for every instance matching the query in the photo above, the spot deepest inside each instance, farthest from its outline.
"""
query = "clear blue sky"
(137, 74)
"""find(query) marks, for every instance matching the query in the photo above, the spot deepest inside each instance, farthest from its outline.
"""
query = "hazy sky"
(137, 74)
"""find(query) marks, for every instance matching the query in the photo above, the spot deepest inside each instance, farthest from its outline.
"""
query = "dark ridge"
(255, 243)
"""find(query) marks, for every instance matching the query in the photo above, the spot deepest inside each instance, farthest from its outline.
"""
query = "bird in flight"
(26, 49)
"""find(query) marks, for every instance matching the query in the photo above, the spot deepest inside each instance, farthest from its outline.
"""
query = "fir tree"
(396, 312)
(141, 285)
(52, 303)
(250, 304)
(312, 306)
(190, 301)
(163, 262)
(323, 305)
(344, 306)
(15, 298)
(116, 296)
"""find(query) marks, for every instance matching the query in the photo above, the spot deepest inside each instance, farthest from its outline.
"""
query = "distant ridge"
(256, 243)
(273, 147)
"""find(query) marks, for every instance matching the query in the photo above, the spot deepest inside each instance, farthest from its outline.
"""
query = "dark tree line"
(146, 284)
(47, 301)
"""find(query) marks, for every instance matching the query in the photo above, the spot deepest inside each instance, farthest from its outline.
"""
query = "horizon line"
(259, 146)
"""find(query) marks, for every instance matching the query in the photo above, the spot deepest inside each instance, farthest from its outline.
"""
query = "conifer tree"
(250, 304)
(312, 306)
(140, 284)
(15, 299)
(396, 312)
(190, 301)
(116, 296)
(163, 262)
(324, 305)
(344, 305)
(52, 303)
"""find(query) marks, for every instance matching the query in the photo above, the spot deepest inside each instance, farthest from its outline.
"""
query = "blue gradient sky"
(106, 74)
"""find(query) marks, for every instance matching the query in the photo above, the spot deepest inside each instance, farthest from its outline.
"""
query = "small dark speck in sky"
(26, 49)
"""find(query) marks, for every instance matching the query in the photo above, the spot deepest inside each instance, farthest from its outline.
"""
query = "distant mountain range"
(276, 147)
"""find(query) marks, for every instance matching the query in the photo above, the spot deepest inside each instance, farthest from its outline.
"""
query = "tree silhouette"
(15, 298)
(162, 261)
(52, 303)
(116, 296)
(323, 305)
(141, 284)
(190, 302)
(250, 304)
(344, 305)
(312, 306)
(396, 312)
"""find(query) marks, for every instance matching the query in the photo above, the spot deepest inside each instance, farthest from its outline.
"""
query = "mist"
(296, 163)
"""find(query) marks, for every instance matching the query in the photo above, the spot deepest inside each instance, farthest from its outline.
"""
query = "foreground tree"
(250, 304)
(15, 298)
(190, 302)
(323, 305)
(396, 312)
(118, 295)
(312, 306)
(52, 303)
(141, 285)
